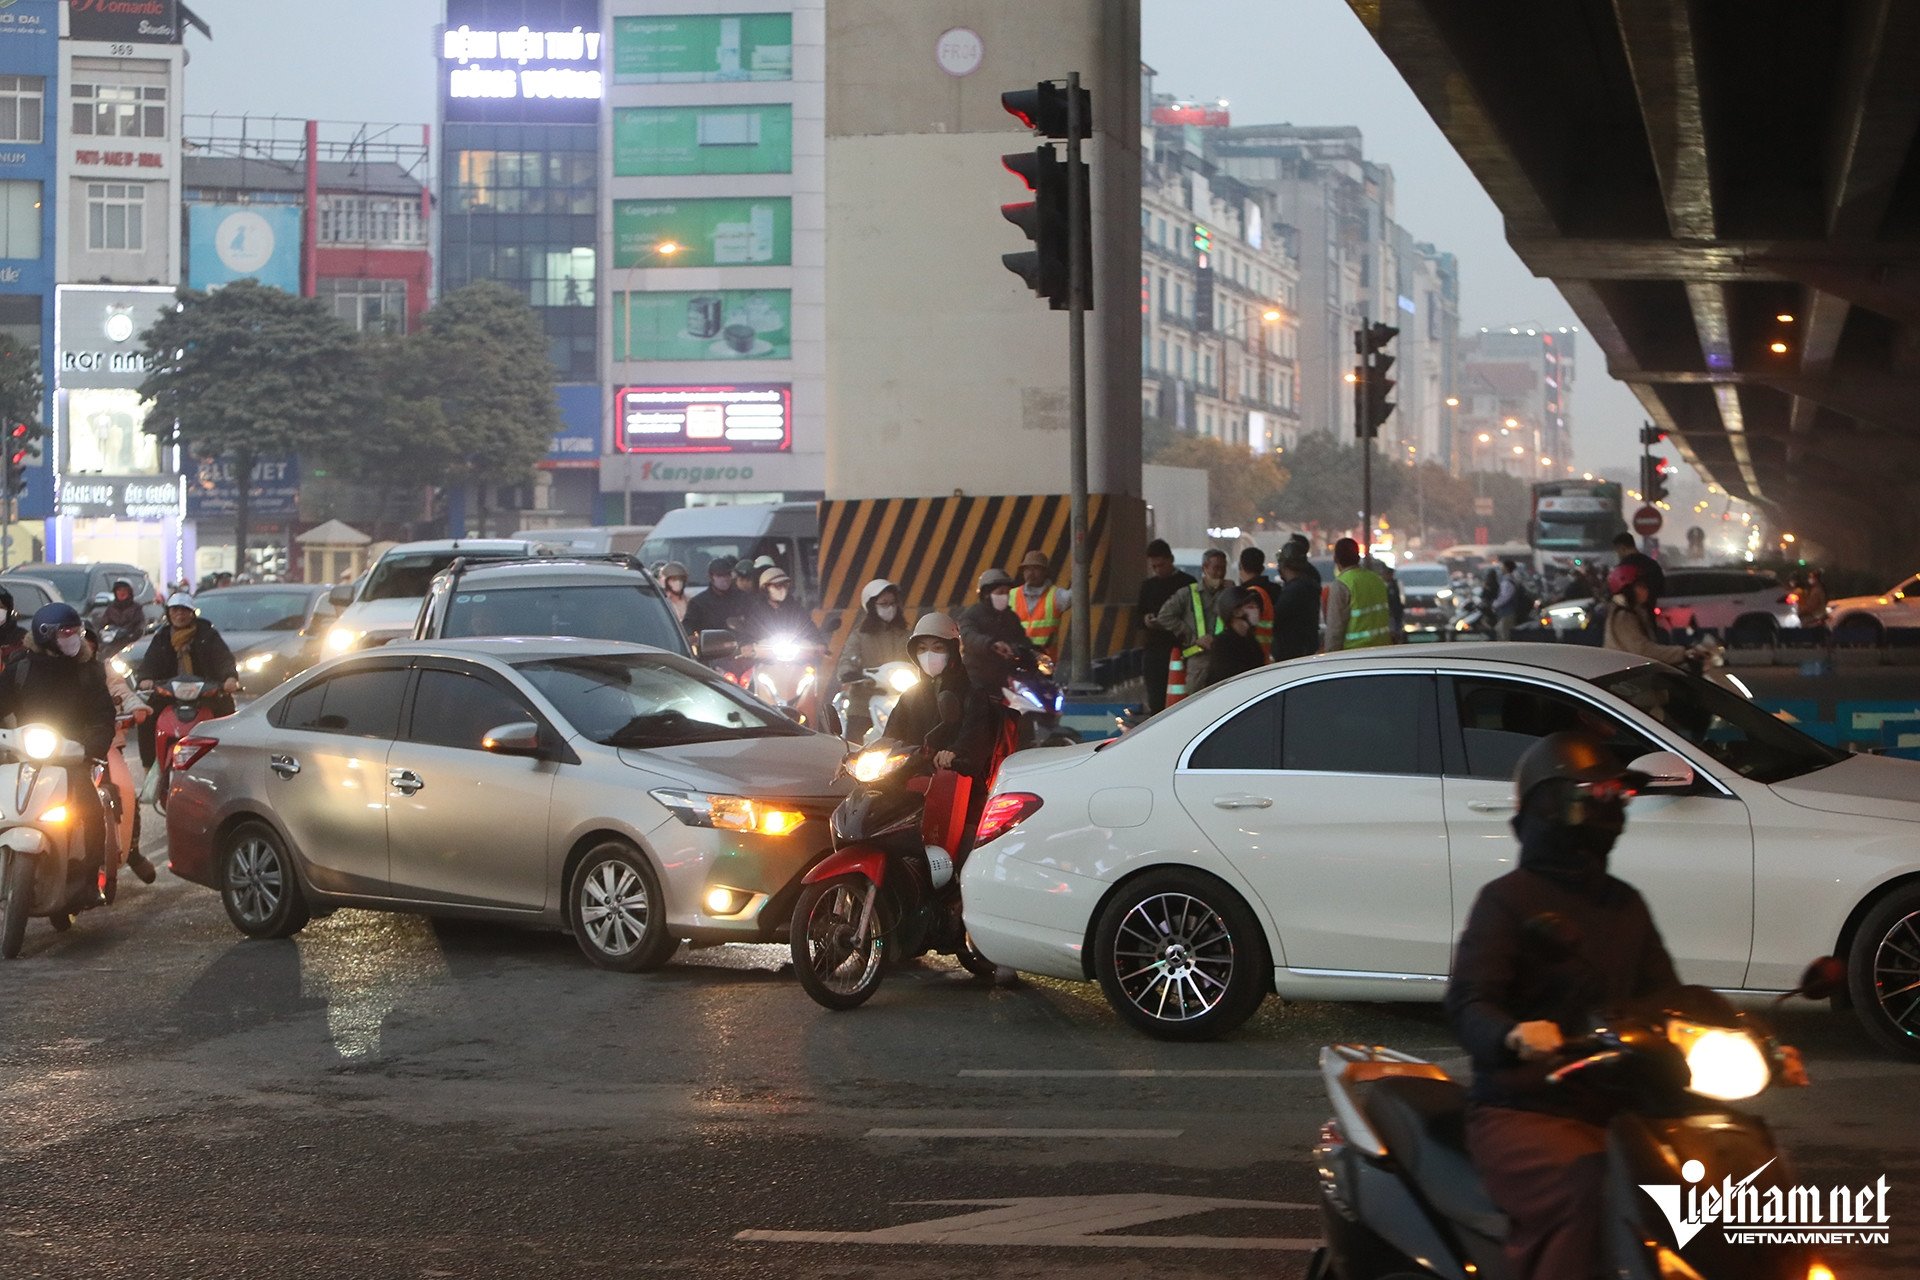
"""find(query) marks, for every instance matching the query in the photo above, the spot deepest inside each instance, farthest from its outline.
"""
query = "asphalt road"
(387, 1097)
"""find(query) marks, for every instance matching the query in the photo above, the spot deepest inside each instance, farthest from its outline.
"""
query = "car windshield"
(1423, 576)
(1737, 733)
(407, 576)
(609, 611)
(70, 583)
(254, 610)
(634, 700)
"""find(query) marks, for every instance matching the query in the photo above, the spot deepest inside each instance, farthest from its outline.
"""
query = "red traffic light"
(1043, 109)
(18, 431)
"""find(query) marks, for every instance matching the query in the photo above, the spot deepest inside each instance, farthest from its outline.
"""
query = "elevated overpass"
(1727, 193)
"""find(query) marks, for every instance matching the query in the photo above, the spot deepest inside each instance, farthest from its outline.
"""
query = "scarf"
(182, 640)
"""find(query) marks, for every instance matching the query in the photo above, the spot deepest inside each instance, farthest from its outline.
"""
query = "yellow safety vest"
(1042, 621)
(1199, 618)
(1368, 621)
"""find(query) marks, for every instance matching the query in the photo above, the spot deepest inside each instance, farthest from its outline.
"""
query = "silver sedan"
(625, 794)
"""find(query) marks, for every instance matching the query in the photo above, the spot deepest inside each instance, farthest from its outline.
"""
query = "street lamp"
(1484, 438)
(667, 248)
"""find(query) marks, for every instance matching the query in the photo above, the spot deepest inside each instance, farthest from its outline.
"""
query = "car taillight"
(1003, 813)
(1792, 597)
(188, 751)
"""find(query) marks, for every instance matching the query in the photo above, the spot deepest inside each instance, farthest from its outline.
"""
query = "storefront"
(29, 110)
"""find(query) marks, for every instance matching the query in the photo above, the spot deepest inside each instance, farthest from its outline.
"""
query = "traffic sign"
(1483, 506)
(1647, 521)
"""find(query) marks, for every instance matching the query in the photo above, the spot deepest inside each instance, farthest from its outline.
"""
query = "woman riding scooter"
(963, 743)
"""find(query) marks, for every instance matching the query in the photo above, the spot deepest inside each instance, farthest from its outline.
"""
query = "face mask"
(932, 661)
(999, 599)
(776, 594)
(886, 612)
(70, 645)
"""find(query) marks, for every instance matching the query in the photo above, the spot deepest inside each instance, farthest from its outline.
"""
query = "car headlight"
(902, 678)
(1444, 593)
(342, 638)
(1725, 1064)
(257, 663)
(875, 763)
(38, 742)
(730, 813)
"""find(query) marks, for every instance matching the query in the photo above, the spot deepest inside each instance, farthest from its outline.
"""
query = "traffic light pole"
(1362, 407)
(1080, 625)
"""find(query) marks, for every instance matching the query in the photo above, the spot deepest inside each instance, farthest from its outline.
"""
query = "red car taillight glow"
(1004, 812)
(188, 751)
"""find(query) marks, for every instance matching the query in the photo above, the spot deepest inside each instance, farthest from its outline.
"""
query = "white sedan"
(1870, 616)
(1319, 828)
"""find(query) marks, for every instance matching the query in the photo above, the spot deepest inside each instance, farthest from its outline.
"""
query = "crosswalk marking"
(1058, 1222)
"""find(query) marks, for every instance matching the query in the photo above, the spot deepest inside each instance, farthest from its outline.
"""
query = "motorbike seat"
(1423, 1124)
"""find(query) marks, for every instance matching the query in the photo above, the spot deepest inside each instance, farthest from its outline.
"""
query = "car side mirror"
(342, 595)
(715, 645)
(793, 713)
(1664, 771)
(102, 600)
(521, 738)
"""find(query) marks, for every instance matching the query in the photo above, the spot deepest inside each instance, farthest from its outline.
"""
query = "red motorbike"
(183, 702)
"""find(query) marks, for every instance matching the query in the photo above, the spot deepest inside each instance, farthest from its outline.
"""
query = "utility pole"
(1079, 253)
(1371, 387)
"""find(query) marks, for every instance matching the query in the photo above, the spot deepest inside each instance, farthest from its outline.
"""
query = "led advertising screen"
(539, 61)
(703, 324)
(754, 417)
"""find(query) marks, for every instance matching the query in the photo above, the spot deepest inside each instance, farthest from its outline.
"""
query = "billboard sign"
(140, 498)
(1193, 113)
(125, 21)
(547, 69)
(97, 338)
(228, 242)
(703, 324)
(675, 141)
(743, 418)
(702, 48)
(31, 18)
(275, 491)
(576, 446)
(751, 231)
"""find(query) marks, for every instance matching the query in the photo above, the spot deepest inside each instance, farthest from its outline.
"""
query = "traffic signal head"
(1373, 396)
(1652, 437)
(20, 451)
(1654, 474)
(1043, 109)
(1043, 219)
(1374, 338)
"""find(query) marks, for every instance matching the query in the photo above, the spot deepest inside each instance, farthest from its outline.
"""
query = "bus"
(1574, 521)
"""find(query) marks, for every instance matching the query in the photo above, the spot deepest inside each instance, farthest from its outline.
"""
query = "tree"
(481, 358)
(415, 446)
(1326, 482)
(1242, 487)
(249, 371)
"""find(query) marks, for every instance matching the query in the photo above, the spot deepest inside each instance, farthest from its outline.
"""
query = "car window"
(1500, 719)
(254, 610)
(454, 710)
(70, 583)
(1683, 584)
(27, 598)
(407, 576)
(1383, 723)
(640, 700)
(1740, 735)
(1250, 740)
(363, 704)
(614, 611)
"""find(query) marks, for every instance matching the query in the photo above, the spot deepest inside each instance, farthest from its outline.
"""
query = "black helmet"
(50, 621)
(6, 599)
(1578, 759)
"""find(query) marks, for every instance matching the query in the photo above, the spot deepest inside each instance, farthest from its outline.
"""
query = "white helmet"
(938, 626)
(874, 590)
(180, 600)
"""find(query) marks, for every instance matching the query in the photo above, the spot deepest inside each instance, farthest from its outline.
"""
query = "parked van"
(597, 540)
(787, 531)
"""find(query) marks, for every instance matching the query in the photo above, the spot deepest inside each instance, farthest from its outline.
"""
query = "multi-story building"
(521, 94)
(1515, 386)
(713, 253)
(1427, 311)
(1219, 289)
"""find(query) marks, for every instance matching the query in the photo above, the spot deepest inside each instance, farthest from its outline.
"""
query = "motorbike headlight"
(342, 638)
(874, 764)
(902, 679)
(186, 690)
(1725, 1064)
(1444, 593)
(257, 663)
(38, 742)
(782, 650)
(730, 813)
(1029, 698)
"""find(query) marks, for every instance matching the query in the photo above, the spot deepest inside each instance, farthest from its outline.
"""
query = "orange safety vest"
(1263, 626)
(1042, 621)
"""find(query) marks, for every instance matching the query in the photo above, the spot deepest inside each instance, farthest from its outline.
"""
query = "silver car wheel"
(256, 880)
(1173, 956)
(613, 908)
(1896, 974)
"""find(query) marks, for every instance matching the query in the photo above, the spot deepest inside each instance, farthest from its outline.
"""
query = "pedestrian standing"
(1396, 603)
(1296, 610)
(1511, 602)
(1192, 615)
(1237, 649)
(1259, 592)
(1157, 645)
(1040, 605)
(1356, 602)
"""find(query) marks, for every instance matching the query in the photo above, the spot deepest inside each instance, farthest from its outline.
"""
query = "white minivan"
(787, 531)
(381, 607)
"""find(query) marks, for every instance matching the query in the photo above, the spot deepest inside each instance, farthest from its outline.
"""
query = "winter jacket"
(212, 660)
(1631, 631)
(766, 620)
(1154, 593)
(69, 694)
(123, 613)
(916, 721)
(1296, 618)
(980, 626)
(871, 644)
(715, 610)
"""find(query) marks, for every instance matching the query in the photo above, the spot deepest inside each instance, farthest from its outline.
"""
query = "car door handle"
(1490, 806)
(405, 781)
(285, 766)
(1242, 802)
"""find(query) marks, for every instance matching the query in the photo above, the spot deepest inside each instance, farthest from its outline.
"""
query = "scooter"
(1034, 695)
(41, 839)
(890, 890)
(870, 700)
(784, 676)
(181, 702)
(1400, 1197)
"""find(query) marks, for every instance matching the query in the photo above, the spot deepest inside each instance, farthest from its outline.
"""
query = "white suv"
(382, 606)
(1744, 606)
(1868, 617)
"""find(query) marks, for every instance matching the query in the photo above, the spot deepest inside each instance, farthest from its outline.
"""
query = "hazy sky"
(1305, 61)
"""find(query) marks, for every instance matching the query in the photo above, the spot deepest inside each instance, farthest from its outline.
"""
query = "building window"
(19, 220)
(23, 104)
(119, 110)
(370, 220)
(117, 216)
(368, 306)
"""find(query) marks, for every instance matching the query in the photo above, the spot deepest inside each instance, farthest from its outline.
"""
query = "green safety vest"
(1200, 617)
(1368, 621)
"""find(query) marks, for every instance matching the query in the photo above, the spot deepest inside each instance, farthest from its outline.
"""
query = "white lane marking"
(1057, 1222)
(1024, 1133)
(1140, 1073)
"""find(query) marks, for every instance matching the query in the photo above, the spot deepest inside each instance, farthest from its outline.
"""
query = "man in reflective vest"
(1192, 617)
(1357, 615)
(1040, 605)
(1259, 589)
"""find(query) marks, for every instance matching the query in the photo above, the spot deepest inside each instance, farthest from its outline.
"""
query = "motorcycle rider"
(124, 613)
(54, 683)
(1630, 627)
(720, 606)
(992, 638)
(673, 584)
(13, 636)
(966, 744)
(191, 646)
(774, 612)
(1041, 605)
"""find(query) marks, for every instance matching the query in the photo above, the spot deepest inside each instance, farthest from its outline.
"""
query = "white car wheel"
(1180, 956)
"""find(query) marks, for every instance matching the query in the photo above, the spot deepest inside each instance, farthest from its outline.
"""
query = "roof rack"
(461, 564)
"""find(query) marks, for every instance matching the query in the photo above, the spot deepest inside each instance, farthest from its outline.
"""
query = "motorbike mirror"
(1552, 934)
(1824, 978)
(102, 599)
(521, 738)
(715, 645)
(341, 596)
(1664, 771)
